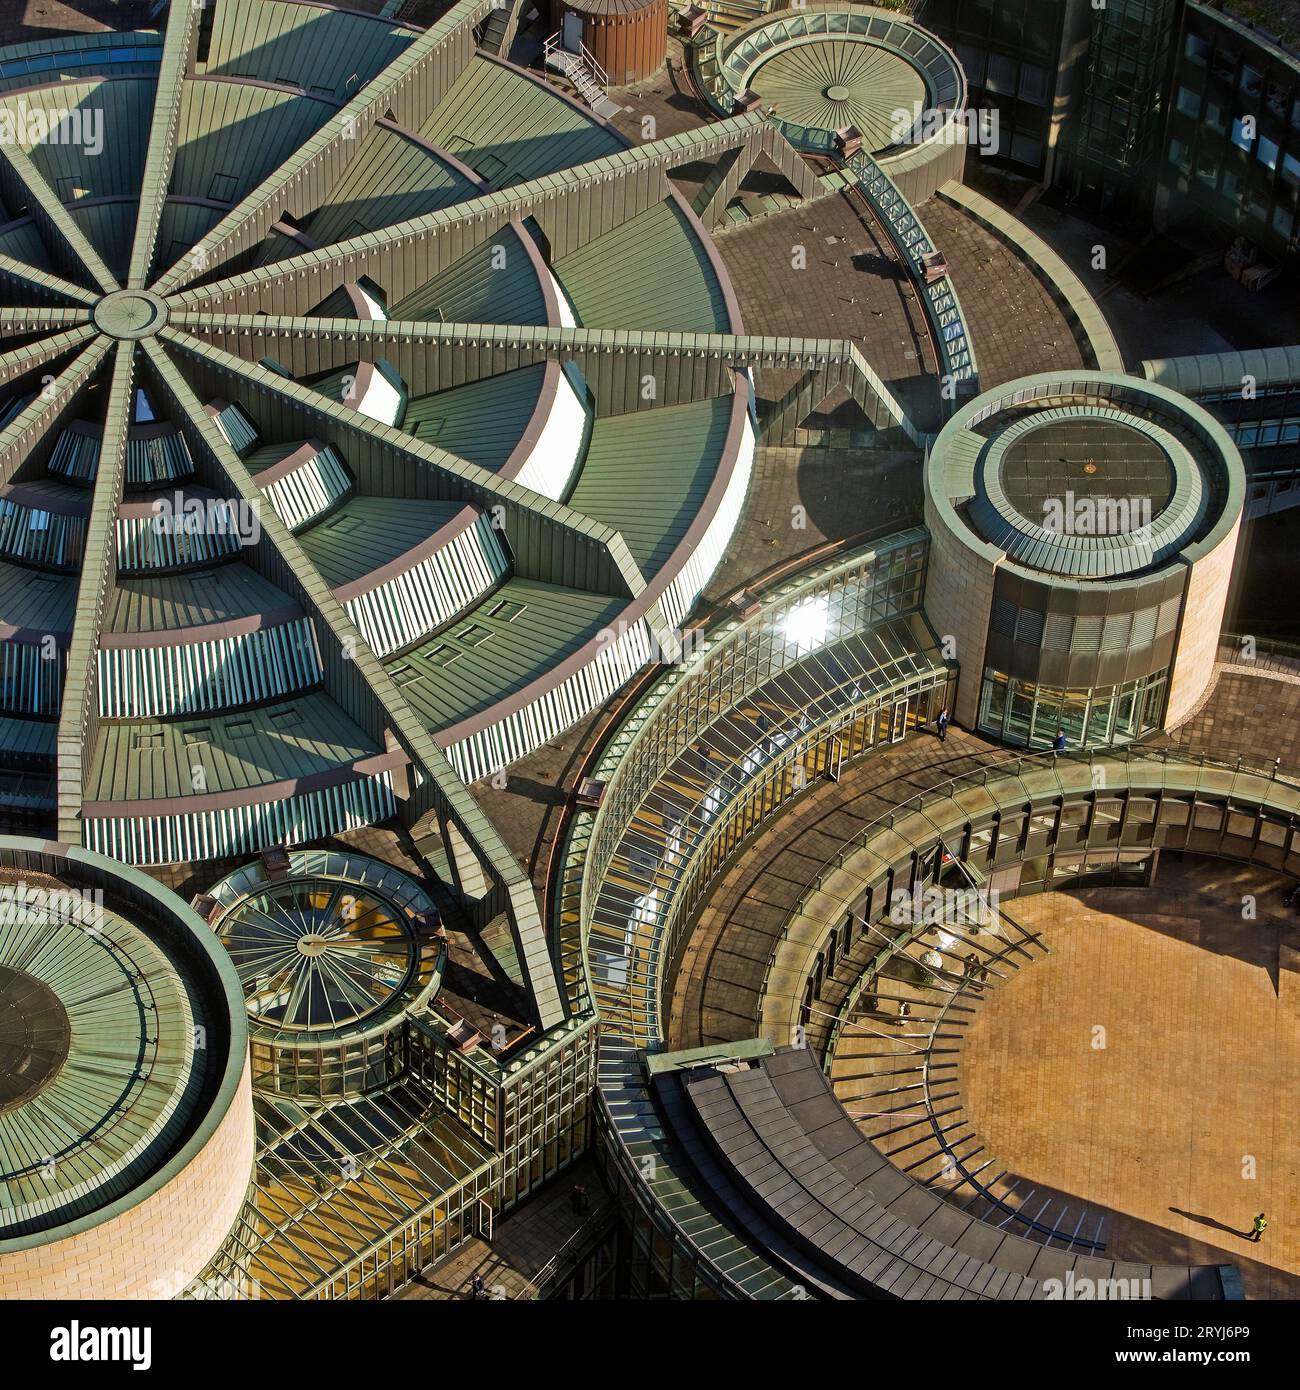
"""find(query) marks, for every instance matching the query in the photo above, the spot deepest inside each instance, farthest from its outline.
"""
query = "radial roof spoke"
(19, 361)
(383, 254)
(22, 319)
(67, 243)
(413, 83)
(178, 46)
(29, 277)
(80, 715)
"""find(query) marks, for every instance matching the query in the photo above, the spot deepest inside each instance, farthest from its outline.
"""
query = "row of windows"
(1024, 714)
(1084, 634)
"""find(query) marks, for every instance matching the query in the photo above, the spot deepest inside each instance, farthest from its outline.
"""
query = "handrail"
(915, 805)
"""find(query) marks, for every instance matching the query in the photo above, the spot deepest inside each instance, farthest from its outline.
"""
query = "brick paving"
(1255, 716)
(1156, 1130)
(1016, 326)
(26, 21)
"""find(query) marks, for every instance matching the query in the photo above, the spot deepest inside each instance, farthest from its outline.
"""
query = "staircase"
(499, 29)
(730, 15)
(583, 71)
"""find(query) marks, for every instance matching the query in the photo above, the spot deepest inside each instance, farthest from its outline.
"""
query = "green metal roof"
(516, 636)
(610, 289)
(301, 737)
(369, 532)
(483, 420)
(538, 136)
(650, 471)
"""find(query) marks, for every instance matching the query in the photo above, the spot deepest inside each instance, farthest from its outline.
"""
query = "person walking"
(942, 724)
(1058, 743)
(477, 1287)
(1258, 1227)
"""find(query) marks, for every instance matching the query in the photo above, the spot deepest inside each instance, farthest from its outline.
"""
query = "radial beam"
(549, 542)
(615, 361)
(179, 46)
(20, 361)
(16, 320)
(42, 283)
(24, 186)
(574, 207)
(79, 716)
(411, 86)
(348, 660)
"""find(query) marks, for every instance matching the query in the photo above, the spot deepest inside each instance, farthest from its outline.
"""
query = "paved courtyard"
(1182, 1125)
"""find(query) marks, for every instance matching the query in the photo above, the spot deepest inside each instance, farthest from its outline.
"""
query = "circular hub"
(34, 1034)
(130, 314)
(837, 93)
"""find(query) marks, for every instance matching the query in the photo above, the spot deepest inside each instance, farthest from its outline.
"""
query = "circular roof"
(118, 1049)
(822, 68)
(830, 83)
(1093, 476)
(341, 945)
(388, 450)
(1087, 458)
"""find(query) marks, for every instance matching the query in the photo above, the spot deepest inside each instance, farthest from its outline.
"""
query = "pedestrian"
(1058, 743)
(972, 965)
(575, 1198)
(1258, 1227)
(942, 724)
(477, 1287)
(904, 1008)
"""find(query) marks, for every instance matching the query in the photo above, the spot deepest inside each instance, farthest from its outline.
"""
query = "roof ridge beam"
(412, 85)
(180, 45)
(23, 185)
(79, 713)
(42, 282)
(18, 361)
(417, 249)
(549, 541)
(20, 318)
(526, 344)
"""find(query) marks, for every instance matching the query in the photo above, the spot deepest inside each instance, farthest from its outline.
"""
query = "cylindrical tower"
(126, 1115)
(1083, 529)
(628, 38)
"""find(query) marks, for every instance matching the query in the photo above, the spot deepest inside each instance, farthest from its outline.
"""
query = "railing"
(583, 55)
(1014, 766)
(914, 243)
(1264, 654)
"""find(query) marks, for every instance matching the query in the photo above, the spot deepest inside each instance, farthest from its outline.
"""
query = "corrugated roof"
(369, 532)
(669, 283)
(488, 285)
(508, 128)
(231, 135)
(393, 178)
(295, 739)
(482, 421)
(648, 473)
(167, 601)
(483, 658)
(322, 48)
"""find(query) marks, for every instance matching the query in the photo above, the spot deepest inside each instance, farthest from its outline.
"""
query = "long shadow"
(1209, 1221)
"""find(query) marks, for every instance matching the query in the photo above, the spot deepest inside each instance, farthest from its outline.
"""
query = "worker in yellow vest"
(1259, 1227)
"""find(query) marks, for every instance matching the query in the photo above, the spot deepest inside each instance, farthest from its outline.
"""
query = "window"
(1188, 102)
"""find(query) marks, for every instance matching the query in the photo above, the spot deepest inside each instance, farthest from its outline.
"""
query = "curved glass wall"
(1029, 715)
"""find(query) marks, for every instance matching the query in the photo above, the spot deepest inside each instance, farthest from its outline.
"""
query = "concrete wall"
(1198, 636)
(958, 598)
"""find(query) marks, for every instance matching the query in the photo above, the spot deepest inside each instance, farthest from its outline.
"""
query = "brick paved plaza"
(1197, 1075)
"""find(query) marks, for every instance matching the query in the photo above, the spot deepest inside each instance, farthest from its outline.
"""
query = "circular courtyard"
(1141, 1071)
